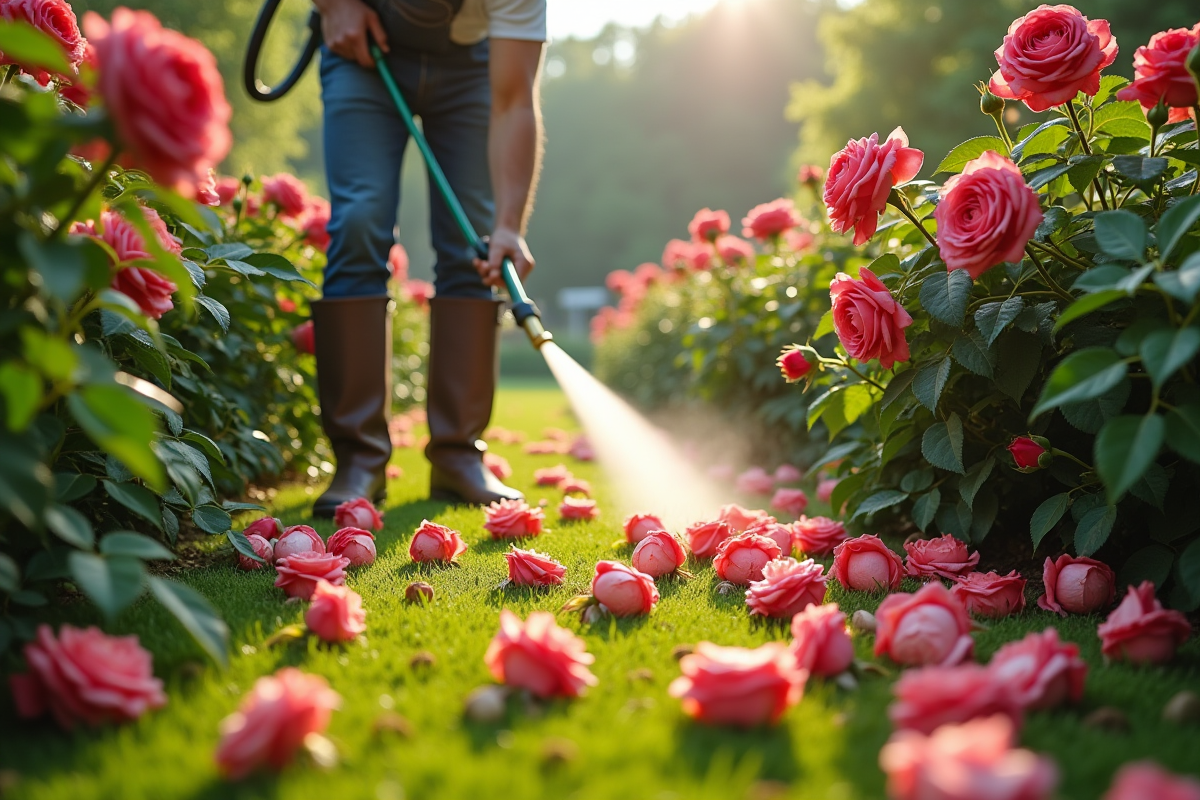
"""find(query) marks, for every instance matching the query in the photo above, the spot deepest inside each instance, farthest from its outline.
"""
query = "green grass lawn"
(625, 739)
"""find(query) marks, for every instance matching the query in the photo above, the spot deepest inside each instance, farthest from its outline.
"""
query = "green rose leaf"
(993, 318)
(137, 499)
(930, 381)
(1084, 374)
(1175, 224)
(945, 295)
(1094, 528)
(968, 151)
(942, 444)
(1183, 431)
(135, 545)
(1164, 352)
(71, 526)
(1125, 448)
(925, 507)
(1184, 283)
(879, 501)
(212, 519)
(196, 614)
(1046, 516)
(1121, 234)
(1151, 563)
(112, 583)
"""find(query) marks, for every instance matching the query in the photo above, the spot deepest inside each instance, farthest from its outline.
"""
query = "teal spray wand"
(526, 313)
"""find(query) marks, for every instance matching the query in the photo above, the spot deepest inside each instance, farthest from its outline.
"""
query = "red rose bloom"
(1040, 671)
(1143, 780)
(821, 641)
(314, 223)
(623, 590)
(818, 536)
(398, 263)
(1077, 585)
(298, 574)
(146, 287)
(355, 544)
(755, 480)
(681, 255)
(866, 564)
(741, 558)
(792, 364)
(578, 508)
(738, 686)
(931, 697)
(867, 319)
(990, 594)
(304, 337)
(704, 538)
(1050, 55)
(531, 568)
(336, 613)
(789, 501)
(733, 250)
(510, 519)
(929, 627)
(944, 556)
(768, 220)
(433, 542)
(539, 656)
(658, 554)
(861, 177)
(54, 18)
(787, 587)
(708, 225)
(227, 189)
(1160, 73)
(287, 193)
(810, 173)
(1027, 453)
(1140, 630)
(298, 539)
(986, 215)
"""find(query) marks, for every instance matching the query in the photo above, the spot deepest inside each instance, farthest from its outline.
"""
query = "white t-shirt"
(499, 19)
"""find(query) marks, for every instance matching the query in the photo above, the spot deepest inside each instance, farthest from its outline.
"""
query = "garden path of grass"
(627, 737)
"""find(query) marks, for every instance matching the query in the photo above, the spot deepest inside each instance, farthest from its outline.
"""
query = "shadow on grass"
(765, 753)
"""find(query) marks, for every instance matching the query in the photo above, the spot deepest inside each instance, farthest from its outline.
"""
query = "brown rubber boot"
(353, 337)
(463, 367)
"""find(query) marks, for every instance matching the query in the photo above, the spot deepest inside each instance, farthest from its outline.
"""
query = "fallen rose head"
(868, 320)
(1077, 585)
(741, 559)
(298, 539)
(551, 476)
(539, 656)
(639, 526)
(358, 513)
(818, 536)
(1040, 671)
(738, 518)
(930, 697)
(1030, 453)
(657, 554)
(262, 548)
(944, 556)
(572, 508)
(507, 519)
(792, 363)
(1143, 780)
(704, 538)
(990, 594)
(355, 544)
(707, 225)
(1141, 631)
(298, 574)
(433, 542)
(777, 531)
(498, 465)
(738, 686)
(787, 587)
(866, 564)
(928, 627)
(860, 179)
(335, 613)
(623, 590)
(272, 722)
(266, 527)
(576, 486)
(821, 641)
(531, 568)
(84, 675)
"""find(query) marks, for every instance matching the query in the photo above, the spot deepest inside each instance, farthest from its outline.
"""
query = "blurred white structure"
(580, 302)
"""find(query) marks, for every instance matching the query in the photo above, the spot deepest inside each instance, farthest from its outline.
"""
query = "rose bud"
(498, 465)
(1145, 780)
(1077, 585)
(741, 559)
(433, 542)
(298, 539)
(551, 476)
(304, 337)
(704, 538)
(990, 104)
(739, 518)
(336, 613)
(738, 686)
(779, 533)
(418, 592)
(623, 590)
(1040, 671)
(531, 568)
(85, 676)
(944, 556)
(825, 489)
(930, 697)
(792, 364)
(272, 722)
(298, 575)
(787, 587)
(929, 627)
(267, 527)
(990, 594)
(658, 554)
(358, 513)
(355, 544)
(965, 762)
(539, 656)
(821, 641)
(866, 564)
(510, 519)
(577, 508)
(639, 526)
(789, 501)
(1030, 453)
(262, 548)
(818, 536)
(755, 480)
(1141, 631)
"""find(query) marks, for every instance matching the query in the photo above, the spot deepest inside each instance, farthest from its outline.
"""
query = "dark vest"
(422, 26)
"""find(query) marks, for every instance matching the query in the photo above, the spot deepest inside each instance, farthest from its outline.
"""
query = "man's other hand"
(504, 242)
(345, 25)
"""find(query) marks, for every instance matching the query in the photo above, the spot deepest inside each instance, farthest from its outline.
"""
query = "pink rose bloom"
(944, 556)
(741, 559)
(970, 761)
(78, 92)
(392, 472)
(818, 536)
(355, 544)
(866, 564)
(658, 553)
(206, 192)
(1143, 780)
(704, 538)
(740, 518)
(314, 223)
(544, 448)
(810, 173)
(708, 225)
(358, 513)
(419, 292)
(768, 220)
(986, 216)
(738, 686)
(755, 480)
(304, 337)
(272, 722)
(511, 519)
(821, 641)
(531, 568)
(861, 177)
(639, 526)
(787, 473)
(797, 241)
(575, 485)
(1040, 671)
(54, 18)
(1141, 631)
(262, 548)
(498, 465)
(266, 527)
(990, 594)
(298, 539)
(825, 489)
(733, 250)
(929, 627)
(539, 656)
(433, 542)
(720, 472)
(227, 189)
(787, 587)
(778, 532)
(867, 319)
(85, 676)
(623, 590)
(930, 697)
(298, 575)
(681, 255)
(144, 286)
(1050, 55)
(287, 193)
(1077, 585)
(581, 449)
(551, 476)
(164, 94)
(336, 613)
(398, 263)
(578, 508)
(1160, 73)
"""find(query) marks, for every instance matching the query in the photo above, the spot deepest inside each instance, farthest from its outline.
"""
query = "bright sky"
(586, 18)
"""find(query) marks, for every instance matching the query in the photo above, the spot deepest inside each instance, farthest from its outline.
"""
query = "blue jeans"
(364, 149)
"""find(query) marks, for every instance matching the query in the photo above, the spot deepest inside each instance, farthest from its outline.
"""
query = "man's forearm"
(515, 156)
